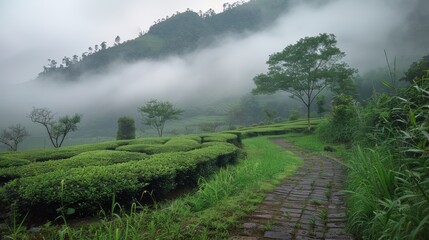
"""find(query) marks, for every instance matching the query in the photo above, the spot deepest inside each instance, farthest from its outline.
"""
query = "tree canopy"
(305, 69)
(156, 113)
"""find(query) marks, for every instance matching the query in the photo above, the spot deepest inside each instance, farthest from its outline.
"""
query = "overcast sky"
(34, 30)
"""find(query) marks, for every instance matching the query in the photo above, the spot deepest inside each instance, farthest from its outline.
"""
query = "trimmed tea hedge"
(10, 161)
(91, 158)
(179, 144)
(86, 189)
(222, 137)
(275, 129)
(41, 155)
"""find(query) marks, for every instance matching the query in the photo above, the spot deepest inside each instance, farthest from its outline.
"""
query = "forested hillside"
(177, 34)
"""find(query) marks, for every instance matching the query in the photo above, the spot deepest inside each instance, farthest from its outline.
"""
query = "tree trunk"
(308, 118)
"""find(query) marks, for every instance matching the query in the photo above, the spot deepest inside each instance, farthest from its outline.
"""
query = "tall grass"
(388, 181)
(210, 213)
(370, 182)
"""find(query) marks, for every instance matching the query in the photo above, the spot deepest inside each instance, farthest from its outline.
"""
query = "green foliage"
(305, 69)
(89, 187)
(156, 113)
(343, 123)
(10, 161)
(178, 144)
(222, 137)
(126, 128)
(389, 183)
(211, 212)
(90, 158)
(366, 192)
(274, 129)
(41, 155)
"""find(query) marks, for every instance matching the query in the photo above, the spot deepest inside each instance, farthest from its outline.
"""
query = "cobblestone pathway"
(308, 205)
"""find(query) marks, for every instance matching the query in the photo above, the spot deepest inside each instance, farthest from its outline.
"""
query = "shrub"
(91, 158)
(174, 145)
(126, 128)
(399, 123)
(86, 189)
(41, 155)
(10, 161)
(343, 124)
(222, 137)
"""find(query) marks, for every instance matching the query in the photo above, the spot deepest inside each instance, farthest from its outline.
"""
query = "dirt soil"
(308, 205)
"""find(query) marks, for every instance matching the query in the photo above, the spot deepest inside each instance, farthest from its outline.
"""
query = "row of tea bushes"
(11, 161)
(143, 145)
(8, 159)
(178, 144)
(85, 159)
(87, 189)
(222, 137)
(275, 129)
(41, 155)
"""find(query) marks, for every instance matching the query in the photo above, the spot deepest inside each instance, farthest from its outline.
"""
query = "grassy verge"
(210, 213)
(314, 143)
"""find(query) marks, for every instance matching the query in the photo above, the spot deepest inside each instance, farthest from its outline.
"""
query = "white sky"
(34, 30)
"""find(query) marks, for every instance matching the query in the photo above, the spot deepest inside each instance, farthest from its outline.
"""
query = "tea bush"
(86, 189)
(90, 158)
(173, 145)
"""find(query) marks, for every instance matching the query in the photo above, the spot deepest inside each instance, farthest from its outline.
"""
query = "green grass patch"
(314, 143)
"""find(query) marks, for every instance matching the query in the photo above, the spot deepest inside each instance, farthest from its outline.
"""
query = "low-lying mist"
(223, 69)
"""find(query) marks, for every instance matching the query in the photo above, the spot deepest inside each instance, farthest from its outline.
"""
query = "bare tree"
(57, 130)
(13, 135)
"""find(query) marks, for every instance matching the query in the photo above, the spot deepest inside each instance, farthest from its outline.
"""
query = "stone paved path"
(308, 205)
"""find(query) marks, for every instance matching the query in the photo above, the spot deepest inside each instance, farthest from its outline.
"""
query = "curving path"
(308, 205)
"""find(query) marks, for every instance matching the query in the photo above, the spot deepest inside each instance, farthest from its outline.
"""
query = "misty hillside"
(180, 33)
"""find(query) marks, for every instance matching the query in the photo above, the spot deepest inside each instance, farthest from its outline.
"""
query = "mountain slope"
(181, 33)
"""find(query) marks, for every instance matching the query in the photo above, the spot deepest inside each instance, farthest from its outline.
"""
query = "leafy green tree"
(156, 113)
(126, 128)
(305, 69)
(57, 130)
(12, 136)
